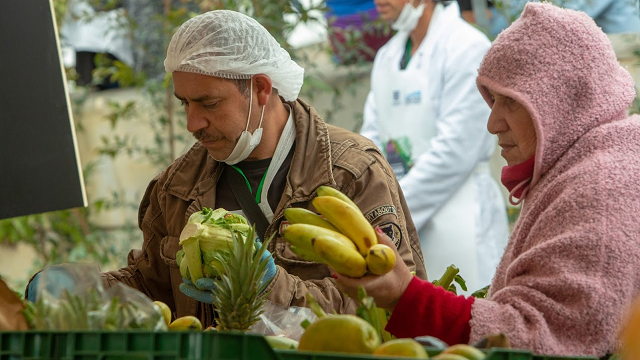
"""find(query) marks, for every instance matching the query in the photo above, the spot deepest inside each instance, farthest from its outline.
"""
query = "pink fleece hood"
(562, 68)
(570, 268)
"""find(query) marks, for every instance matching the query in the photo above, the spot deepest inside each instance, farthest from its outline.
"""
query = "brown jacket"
(323, 155)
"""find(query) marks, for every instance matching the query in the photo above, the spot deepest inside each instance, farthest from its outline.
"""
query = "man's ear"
(263, 86)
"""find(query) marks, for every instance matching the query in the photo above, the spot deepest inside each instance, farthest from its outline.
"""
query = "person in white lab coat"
(425, 112)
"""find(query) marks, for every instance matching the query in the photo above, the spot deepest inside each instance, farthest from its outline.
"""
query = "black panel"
(38, 165)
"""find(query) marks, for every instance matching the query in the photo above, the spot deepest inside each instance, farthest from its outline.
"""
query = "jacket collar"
(312, 163)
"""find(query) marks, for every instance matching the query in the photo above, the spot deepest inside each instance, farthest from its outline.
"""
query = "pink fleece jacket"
(572, 264)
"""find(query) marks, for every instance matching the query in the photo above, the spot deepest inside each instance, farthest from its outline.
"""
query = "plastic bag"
(71, 297)
(278, 321)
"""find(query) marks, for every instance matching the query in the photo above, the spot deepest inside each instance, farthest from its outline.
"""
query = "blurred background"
(130, 126)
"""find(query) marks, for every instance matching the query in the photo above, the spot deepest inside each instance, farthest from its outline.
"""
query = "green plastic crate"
(492, 354)
(133, 345)
(208, 345)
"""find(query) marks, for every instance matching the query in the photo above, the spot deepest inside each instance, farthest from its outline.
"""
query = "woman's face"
(512, 123)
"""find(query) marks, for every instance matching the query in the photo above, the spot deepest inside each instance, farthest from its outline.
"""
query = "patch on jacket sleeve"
(380, 211)
(392, 230)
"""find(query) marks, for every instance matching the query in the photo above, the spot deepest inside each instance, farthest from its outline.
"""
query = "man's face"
(389, 10)
(216, 111)
(516, 132)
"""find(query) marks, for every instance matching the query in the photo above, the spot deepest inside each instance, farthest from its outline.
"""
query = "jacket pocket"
(169, 246)
(351, 158)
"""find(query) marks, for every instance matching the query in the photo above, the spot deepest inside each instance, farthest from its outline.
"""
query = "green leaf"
(458, 279)
(481, 293)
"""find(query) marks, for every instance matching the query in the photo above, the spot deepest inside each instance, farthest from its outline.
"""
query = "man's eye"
(184, 103)
(210, 106)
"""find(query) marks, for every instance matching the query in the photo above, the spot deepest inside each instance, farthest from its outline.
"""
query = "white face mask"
(247, 141)
(409, 17)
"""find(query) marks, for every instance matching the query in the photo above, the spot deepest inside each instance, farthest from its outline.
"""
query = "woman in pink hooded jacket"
(571, 268)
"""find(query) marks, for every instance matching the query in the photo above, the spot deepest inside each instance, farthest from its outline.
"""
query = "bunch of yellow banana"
(340, 237)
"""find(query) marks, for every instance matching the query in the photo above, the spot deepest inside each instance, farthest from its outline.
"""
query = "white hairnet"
(232, 45)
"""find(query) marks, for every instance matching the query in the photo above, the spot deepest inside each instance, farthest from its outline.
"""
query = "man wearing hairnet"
(239, 90)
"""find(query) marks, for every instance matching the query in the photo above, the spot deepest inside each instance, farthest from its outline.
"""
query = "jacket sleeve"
(145, 270)
(428, 310)
(461, 139)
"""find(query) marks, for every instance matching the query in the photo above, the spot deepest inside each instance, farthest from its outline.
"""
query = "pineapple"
(240, 297)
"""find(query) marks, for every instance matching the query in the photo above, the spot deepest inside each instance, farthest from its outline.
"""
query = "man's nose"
(195, 119)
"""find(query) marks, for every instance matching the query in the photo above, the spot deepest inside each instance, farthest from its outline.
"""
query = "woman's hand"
(385, 289)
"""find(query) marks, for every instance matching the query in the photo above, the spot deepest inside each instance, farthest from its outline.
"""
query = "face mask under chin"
(247, 141)
(409, 17)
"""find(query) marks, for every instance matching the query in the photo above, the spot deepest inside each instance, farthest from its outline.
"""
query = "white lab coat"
(437, 112)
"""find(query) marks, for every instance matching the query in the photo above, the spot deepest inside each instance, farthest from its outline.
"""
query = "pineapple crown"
(239, 296)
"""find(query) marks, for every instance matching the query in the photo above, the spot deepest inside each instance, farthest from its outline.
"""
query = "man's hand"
(202, 291)
(204, 287)
(271, 265)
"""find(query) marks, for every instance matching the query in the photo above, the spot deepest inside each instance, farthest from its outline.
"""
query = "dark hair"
(243, 86)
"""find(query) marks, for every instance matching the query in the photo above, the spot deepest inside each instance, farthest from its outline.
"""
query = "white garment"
(84, 29)
(437, 117)
(287, 138)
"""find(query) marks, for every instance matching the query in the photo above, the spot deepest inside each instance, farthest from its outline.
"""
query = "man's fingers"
(186, 289)
(206, 283)
(195, 293)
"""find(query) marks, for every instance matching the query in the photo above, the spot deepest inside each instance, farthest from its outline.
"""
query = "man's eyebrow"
(197, 99)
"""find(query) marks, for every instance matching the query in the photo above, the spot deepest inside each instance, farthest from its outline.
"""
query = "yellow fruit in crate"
(281, 342)
(442, 356)
(402, 347)
(380, 259)
(186, 323)
(466, 351)
(165, 310)
(340, 333)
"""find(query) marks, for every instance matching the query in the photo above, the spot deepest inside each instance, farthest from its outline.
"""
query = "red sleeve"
(426, 309)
